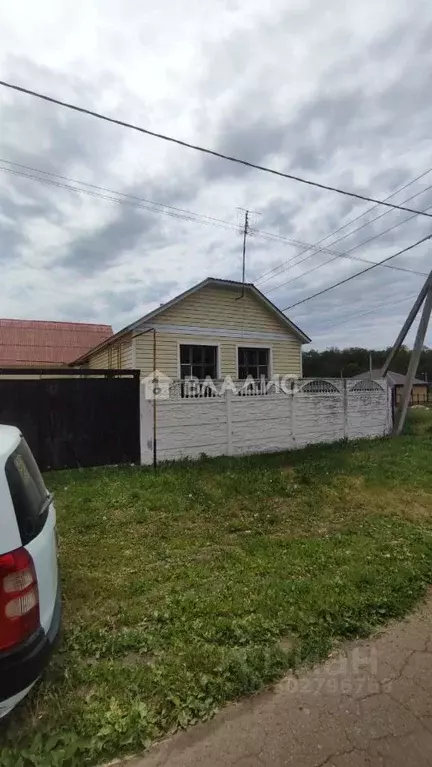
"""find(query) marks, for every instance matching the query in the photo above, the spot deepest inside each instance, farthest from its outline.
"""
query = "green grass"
(190, 587)
(420, 421)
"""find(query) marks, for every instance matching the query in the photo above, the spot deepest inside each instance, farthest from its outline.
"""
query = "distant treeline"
(334, 362)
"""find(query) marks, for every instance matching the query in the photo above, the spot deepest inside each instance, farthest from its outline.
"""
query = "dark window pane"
(253, 362)
(184, 354)
(29, 494)
(198, 361)
(185, 371)
(209, 354)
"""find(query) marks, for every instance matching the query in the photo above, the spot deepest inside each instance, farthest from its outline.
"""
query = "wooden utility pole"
(425, 296)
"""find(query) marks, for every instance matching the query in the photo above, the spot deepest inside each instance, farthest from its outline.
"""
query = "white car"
(30, 602)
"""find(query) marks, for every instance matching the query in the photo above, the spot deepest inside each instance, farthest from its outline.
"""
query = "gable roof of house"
(394, 379)
(209, 281)
(36, 342)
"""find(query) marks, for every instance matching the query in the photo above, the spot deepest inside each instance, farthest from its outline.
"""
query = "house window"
(198, 361)
(253, 362)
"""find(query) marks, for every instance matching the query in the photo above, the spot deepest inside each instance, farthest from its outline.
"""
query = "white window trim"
(255, 346)
(189, 342)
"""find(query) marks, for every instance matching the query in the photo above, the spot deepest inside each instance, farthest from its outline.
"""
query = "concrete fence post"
(345, 408)
(293, 409)
(228, 397)
(146, 430)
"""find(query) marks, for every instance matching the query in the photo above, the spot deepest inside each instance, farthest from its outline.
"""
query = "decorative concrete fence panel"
(236, 421)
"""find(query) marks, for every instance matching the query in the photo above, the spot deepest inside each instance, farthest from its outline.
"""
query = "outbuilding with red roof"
(36, 343)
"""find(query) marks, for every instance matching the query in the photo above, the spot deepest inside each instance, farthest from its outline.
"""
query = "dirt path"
(369, 705)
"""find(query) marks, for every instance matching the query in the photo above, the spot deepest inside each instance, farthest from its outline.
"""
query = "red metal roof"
(36, 342)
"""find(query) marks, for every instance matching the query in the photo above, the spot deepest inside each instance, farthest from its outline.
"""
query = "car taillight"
(19, 598)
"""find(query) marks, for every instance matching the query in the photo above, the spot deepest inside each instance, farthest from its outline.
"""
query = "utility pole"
(425, 296)
(407, 325)
(370, 365)
(413, 363)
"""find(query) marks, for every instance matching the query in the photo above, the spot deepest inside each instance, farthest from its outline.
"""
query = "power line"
(363, 271)
(359, 245)
(192, 217)
(351, 258)
(204, 150)
(157, 207)
(278, 269)
(114, 191)
(346, 254)
(335, 254)
(299, 244)
(375, 309)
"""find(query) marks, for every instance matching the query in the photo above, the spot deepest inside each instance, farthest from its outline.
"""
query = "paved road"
(368, 706)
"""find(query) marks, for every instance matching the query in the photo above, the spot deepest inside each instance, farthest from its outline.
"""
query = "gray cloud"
(11, 240)
(345, 102)
(127, 303)
(252, 141)
(50, 137)
(105, 245)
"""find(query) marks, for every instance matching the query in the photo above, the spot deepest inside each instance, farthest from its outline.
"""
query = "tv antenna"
(247, 222)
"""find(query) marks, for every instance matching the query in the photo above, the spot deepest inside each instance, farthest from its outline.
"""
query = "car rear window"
(29, 495)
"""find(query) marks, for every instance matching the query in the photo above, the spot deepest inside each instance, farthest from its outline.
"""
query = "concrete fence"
(223, 422)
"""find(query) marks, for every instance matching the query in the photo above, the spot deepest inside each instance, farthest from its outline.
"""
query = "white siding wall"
(99, 360)
(233, 425)
(116, 355)
(126, 354)
(285, 353)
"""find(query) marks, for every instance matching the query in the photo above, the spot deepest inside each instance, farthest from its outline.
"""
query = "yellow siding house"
(217, 328)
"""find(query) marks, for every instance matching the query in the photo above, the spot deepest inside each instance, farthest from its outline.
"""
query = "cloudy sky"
(336, 92)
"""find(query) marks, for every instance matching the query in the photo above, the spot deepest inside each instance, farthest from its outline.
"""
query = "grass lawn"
(187, 588)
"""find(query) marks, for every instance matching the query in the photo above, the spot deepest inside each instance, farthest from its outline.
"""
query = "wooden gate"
(74, 417)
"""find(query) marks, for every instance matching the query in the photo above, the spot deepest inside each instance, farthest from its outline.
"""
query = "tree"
(334, 362)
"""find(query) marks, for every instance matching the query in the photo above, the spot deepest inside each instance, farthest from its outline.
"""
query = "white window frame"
(255, 346)
(189, 342)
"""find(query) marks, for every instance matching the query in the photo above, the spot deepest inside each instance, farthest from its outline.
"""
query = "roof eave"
(227, 283)
(208, 281)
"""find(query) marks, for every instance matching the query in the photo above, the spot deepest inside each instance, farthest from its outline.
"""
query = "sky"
(335, 92)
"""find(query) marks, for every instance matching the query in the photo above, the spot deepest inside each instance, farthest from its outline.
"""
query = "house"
(396, 381)
(216, 328)
(46, 344)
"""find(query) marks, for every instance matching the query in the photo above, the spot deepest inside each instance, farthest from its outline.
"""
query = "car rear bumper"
(22, 666)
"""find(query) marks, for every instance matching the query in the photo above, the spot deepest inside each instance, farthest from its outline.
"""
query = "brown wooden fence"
(74, 417)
